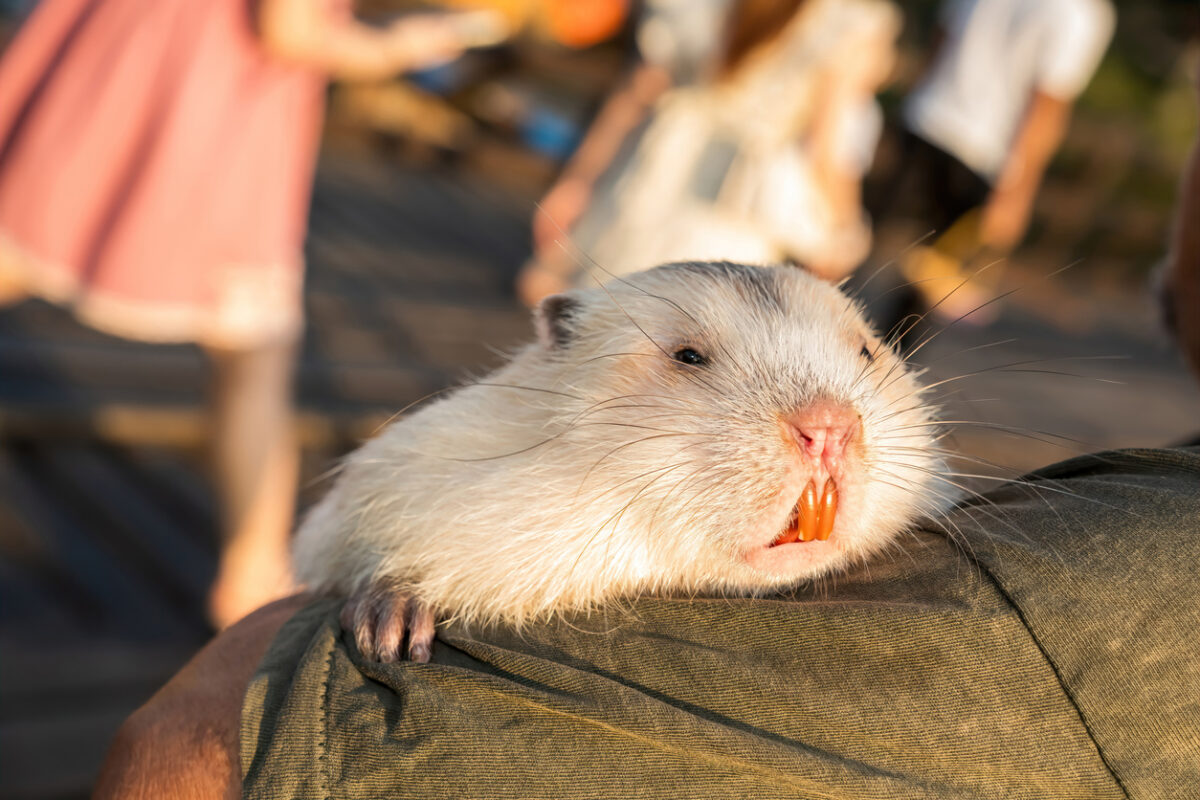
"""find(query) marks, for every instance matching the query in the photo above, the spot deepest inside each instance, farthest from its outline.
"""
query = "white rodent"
(675, 431)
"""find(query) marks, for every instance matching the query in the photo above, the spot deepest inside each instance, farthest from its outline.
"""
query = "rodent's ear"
(555, 319)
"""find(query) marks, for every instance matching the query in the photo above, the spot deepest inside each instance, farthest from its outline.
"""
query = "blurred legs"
(256, 458)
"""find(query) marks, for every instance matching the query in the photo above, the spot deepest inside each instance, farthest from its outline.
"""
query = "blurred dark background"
(419, 223)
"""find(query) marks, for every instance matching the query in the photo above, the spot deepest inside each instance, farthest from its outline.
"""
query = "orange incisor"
(827, 511)
(813, 518)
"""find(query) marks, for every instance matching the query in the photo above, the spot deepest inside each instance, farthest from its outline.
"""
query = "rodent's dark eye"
(689, 356)
(867, 354)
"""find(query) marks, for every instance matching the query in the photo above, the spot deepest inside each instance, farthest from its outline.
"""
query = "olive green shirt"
(1044, 642)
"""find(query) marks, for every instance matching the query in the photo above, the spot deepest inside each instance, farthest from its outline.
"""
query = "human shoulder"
(1074, 35)
(865, 14)
(184, 742)
(850, 26)
(1086, 21)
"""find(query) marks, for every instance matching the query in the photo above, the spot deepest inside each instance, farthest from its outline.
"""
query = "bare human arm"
(1007, 212)
(622, 112)
(307, 32)
(183, 744)
(570, 195)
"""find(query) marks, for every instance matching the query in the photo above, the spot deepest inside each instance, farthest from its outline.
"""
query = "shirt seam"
(1067, 692)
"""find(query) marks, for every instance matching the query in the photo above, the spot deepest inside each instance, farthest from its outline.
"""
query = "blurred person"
(156, 162)
(981, 128)
(758, 119)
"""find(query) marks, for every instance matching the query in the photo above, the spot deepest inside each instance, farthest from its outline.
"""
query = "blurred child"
(982, 126)
(760, 119)
(156, 160)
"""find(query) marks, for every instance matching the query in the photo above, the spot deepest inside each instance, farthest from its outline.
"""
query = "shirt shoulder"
(1075, 35)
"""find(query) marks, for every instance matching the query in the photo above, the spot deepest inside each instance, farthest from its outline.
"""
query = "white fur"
(602, 469)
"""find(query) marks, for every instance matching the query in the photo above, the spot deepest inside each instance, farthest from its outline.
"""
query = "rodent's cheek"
(894, 383)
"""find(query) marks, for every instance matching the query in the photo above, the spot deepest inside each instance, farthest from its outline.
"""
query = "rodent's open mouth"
(812, 518)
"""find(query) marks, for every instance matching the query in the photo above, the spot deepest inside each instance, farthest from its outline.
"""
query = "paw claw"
(420, 633)
(390, 613)
(381, 616)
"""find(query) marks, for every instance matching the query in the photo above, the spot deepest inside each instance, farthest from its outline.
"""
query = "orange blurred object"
(582, 23)
(572, 23)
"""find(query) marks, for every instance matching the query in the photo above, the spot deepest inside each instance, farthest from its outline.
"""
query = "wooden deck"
(107, 523)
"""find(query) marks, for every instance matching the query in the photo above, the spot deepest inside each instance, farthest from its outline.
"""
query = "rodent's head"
(743, 424)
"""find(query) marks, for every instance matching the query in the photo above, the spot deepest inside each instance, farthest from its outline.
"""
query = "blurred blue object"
(541, 127)
(550, 132)
(443, 79)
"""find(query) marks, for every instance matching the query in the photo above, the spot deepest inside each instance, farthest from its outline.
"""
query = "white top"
(723, 170)
(996, 54)
(772, 93)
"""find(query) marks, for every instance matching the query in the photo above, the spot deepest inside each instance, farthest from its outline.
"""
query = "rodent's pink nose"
(823, 430)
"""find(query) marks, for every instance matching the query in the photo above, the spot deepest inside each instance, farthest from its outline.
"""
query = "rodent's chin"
(797, 560)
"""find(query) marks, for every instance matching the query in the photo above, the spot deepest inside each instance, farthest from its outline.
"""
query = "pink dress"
(155, 169)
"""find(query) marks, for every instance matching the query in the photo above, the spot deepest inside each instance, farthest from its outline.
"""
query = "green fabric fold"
(1044, 648)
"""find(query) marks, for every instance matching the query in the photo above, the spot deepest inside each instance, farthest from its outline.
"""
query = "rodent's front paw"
(380, 615)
